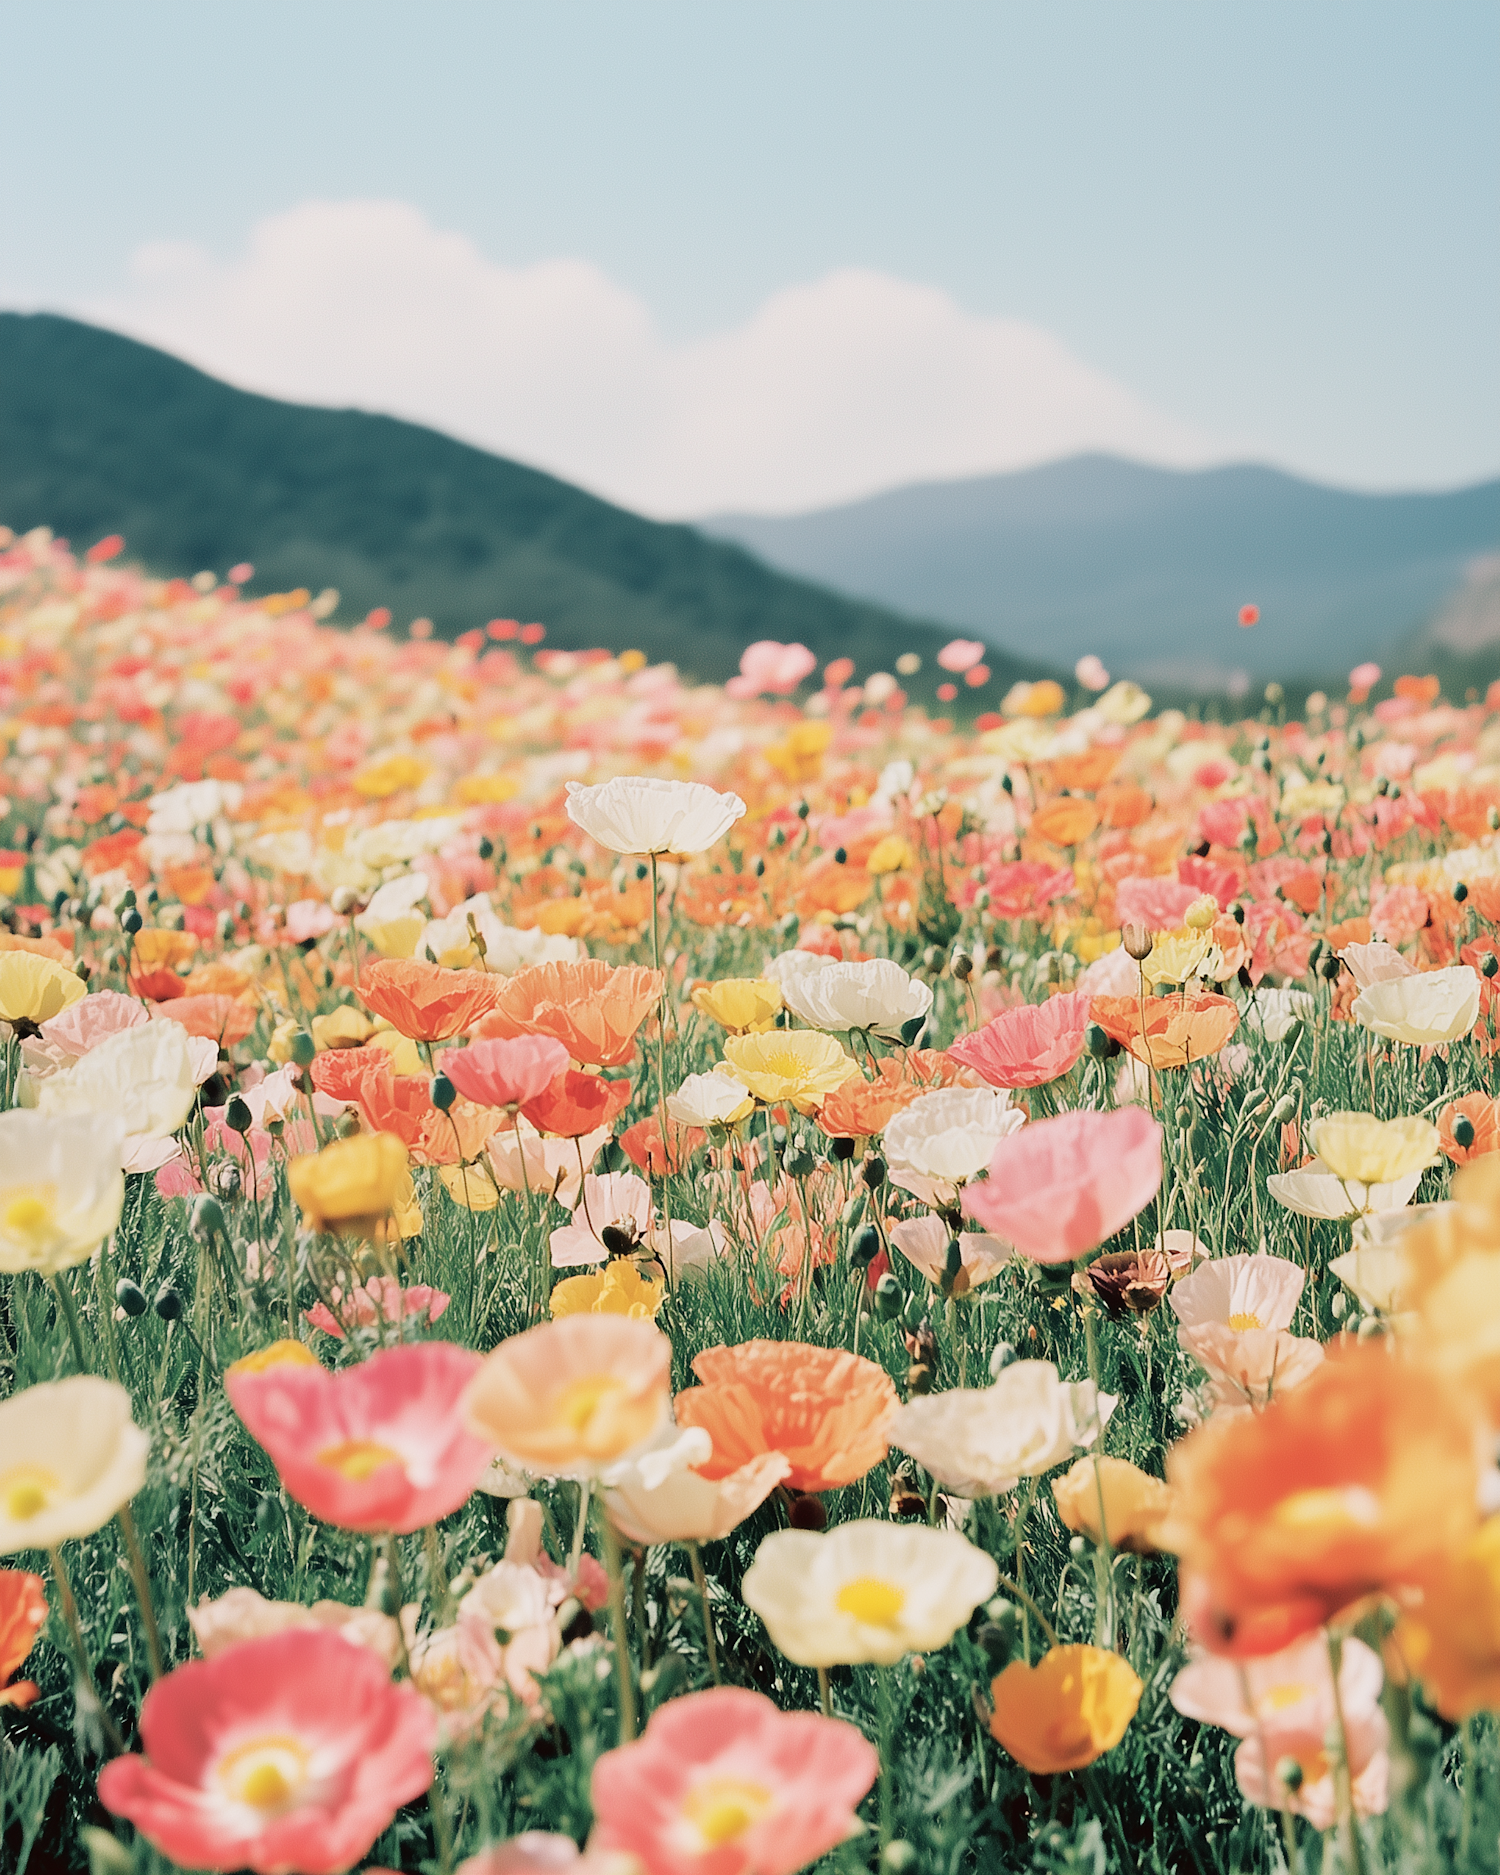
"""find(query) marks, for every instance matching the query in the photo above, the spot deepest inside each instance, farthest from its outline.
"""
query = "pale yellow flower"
(798, 1066)
(1359, 1147)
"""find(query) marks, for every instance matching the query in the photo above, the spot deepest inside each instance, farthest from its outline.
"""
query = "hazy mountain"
(101, 435)
(1149, 567)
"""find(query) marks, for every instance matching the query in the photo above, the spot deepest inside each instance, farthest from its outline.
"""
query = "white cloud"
(831, 390)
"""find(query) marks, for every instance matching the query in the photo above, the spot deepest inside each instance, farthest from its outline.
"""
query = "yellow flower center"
(1239, 1323)
(784, 1064)
(1278, 1698)
(278, 1354)
(871, 1600)
(1330, 1508)
(267, 1773)
(31, 1212)
(582, 1401)
(27, 1490)
(723, 1808)
(356, 1459)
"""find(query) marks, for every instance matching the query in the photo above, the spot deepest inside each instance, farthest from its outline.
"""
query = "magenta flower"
(1065, 1185)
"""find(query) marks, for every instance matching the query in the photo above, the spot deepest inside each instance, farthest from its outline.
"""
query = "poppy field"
(600, 1274)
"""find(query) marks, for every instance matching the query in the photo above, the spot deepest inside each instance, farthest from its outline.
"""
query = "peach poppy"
(1062, 1186)
(23, 1609)
(1360, 1481)
(859, 1109)
(1449, 1281)
(222, 1019)
(1178, 1030)
(593, 1008)
(294, 1751)
(424, 1001)
(377, 1447)
(723, 1783)
(1028, 1046)
(827, 1411)
(644, 1146)
(1451, 1637)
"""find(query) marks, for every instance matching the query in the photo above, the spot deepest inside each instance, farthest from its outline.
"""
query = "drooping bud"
(1136, 940)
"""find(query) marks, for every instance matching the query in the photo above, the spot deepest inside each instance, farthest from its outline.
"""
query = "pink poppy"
(378, 1447)
(961, 655)
(505, 1072)
(1027, 1046)
(1062, 1186)
(381, 1299)
(723, 1783)
(309, 919)
(768, 666)
(1156, 904)
(93, 1020)
(1204, 876)
(290, 1752)
(539, 1852)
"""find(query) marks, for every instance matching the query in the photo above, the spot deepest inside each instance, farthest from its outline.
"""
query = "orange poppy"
(217, 979)
(860, 1108)
(1122, 804)
(643, 1145)
(1483, 1116)
(826, 1410)
(576, 1104)
(402, 1104)
(1178, 1031)
(1351, 931)
(1066, 821)
(23, 1609)
(716, 899)
(1357, 1482)
(1087, 771)
(828, 886)
(592, 1008)
(1419, 689)
(424, 1001)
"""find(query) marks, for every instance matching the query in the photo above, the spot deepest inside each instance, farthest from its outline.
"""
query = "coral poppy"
(1064, 1185)
(222, 1019)
(291, 1752)
(1482, 1113)
(424, 1001)
(828, 1411)
(577, 1103)
(570, 1397)
(505, 1071)
(1028, 1046)
(1075, 1704)
(644, 1145)
(23, 1609)
(377, 1447)
(1359, 1481)
(1451, 1638)
(725, 1782)
(592, 1008)
(1177, 1030)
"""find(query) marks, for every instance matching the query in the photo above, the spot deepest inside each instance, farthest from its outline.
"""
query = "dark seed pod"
(168, 1304)
(442, 1092)
(1463, 1131)
(865, 1247)
(873, 1171)
(132, 921)
(843, 1149)
(807, 1513)
(130, 1296)
(303, 1048)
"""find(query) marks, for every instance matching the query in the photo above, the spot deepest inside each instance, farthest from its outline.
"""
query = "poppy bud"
(799, 1162)
(1289, 1774)
(962, 965)
(807, 1513)
(224, 1180)
(130, 1296)
(1137, 941)
(442, 1092)
(1284, 1111)
(1101, 1045)
(1002, 1357)
(486, 847)
(168, 1304)
(953, 1258)
(873, 1171)
(843, 1149)
(1460, 892)
(132, 921)
(205, 1220)
(1492, 820)
(237, 1115)
(1329, 968)
(849, 1216)
(803, 810)
(888, 1298)
(865, 1247)
(898, 1858)
(1490, 964)
(302, 1048)
(840, 856)
(1463, 1131)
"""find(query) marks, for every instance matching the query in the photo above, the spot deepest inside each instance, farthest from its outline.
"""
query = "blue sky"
(1266, 231)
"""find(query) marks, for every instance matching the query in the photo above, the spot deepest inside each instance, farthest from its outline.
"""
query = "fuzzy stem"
(710, 1639)
(626, 1683)
(142, 1580)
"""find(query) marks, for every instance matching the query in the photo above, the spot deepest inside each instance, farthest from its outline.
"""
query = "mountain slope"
(100, 435)
(1149, 567)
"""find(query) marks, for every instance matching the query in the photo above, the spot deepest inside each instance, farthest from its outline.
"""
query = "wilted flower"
(1130, 1280)
(866, 1591)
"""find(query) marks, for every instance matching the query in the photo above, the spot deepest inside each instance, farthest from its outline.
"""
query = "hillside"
(101, 435)
(1149, 567)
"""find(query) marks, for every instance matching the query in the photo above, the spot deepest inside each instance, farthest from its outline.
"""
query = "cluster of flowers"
(365, 967)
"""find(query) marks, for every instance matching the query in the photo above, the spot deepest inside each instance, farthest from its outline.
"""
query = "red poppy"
(577, 1103)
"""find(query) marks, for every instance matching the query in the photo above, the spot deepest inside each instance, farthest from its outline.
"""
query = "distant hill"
(101, 435)
(1149, 567)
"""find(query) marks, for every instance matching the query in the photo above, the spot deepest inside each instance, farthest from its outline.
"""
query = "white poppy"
(1313, 1191)
(644, 814)
(945, 1138)
(980, 1441)
(658, 1497)
(146, 1077)
(61, 1188)
(70, 1456)
(876, 996)
(1425, 1010)
(1274, 1013)
(705, 1100)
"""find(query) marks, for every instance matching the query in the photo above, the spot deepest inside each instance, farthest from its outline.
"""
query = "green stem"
(623, 1675)
(142, 1580)
(69, 1310)
(887, 1727)
(710, 1639)
(1343, 1778)
(825, 1694)
(81, 1659)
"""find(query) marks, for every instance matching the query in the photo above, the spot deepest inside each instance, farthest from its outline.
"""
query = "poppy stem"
(1471, 1781)
(575, 1551)
(69, 1311)
(1028, 1602)
(623, 1674)
(710, 1639)
(142, 1580)
(1343, 1776)
(887, 1727)
(80, 1647)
